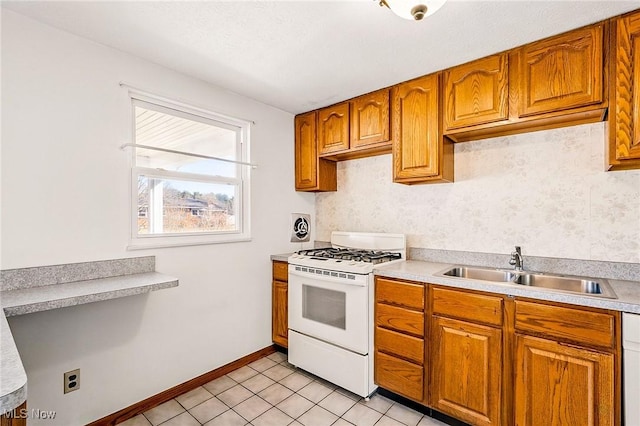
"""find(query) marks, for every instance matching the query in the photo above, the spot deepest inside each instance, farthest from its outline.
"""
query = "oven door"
(330, 306)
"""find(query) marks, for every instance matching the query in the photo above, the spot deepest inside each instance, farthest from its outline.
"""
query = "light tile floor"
(271, 392)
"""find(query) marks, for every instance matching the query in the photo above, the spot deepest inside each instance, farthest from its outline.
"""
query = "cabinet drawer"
(580, 326)
(280, 271)
(402, 377)
(400, 293)
(469, 306)
(399, 344)
(400, 319)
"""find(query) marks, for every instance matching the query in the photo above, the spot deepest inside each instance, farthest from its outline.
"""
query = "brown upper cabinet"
(420, 153)
(370, 120)
(624, 112)
(333, 128)
(477, 92)
(581, 76)
(356, 128)
(562, 72)
(312, 173)
(555, 82)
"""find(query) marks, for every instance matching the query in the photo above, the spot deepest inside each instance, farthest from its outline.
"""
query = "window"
(180, 194)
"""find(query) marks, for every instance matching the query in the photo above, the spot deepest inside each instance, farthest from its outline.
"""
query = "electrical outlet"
(71, 380)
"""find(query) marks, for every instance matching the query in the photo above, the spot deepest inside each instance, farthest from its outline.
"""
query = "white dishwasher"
(631, 366)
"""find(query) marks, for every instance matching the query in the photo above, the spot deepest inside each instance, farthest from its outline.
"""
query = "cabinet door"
(562, 72)
(477, 92)
(333, 129)
(306, 151)
(279, 323)
(370, 119)
(417, 139)
(312, 173)
(466, 370)
(624, 111)
(558, 385)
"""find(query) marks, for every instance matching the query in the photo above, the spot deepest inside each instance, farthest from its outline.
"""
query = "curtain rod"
(190, 154)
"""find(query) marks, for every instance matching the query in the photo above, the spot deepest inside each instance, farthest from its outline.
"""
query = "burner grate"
(355, 255)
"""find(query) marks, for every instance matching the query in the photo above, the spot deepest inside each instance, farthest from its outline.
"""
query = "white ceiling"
(301, 55)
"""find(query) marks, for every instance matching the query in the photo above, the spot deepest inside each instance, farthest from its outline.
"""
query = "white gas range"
(331, 307)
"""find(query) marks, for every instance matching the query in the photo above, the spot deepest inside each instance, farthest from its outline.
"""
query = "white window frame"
(242, 180)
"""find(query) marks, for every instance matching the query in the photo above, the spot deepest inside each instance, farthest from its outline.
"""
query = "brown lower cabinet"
(573, 385)
(399, 336)
(567, 365)
(16, 418)
(400, 376)
(466, 365)
(279, 298)
(489, 359)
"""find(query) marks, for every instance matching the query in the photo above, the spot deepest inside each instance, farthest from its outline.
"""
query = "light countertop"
(29, 299)
(628, 292)
(281, 257)
(37, 299)
(13, 386)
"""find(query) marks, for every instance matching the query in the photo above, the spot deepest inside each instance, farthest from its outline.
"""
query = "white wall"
(546, 191)
(65, 198)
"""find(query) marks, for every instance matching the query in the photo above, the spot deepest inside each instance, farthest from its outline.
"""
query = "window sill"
(167, 242)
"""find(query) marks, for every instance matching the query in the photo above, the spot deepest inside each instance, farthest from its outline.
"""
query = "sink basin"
(566, 284)
(481, 274)
(587, 286)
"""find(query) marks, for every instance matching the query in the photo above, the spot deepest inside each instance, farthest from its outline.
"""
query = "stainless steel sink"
(566, 284)
(588, 286)
(481, 274)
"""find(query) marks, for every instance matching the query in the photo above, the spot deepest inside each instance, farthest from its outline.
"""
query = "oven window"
(324, 306)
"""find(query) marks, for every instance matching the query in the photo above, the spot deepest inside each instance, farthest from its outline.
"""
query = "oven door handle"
(360, 281)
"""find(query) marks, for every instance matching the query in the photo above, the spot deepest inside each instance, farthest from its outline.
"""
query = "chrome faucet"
(516, 259)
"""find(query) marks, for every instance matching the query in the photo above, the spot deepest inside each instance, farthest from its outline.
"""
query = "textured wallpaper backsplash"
(545, 191)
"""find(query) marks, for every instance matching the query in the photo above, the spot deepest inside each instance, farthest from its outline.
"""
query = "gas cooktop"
(356, 252)
(355, 255)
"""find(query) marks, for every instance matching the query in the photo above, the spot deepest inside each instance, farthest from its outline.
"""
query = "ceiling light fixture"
(413, 9)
